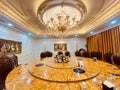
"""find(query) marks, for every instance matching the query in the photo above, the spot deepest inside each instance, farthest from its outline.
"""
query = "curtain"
(107, 41)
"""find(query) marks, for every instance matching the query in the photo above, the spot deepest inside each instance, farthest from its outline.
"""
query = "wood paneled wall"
(107, 41)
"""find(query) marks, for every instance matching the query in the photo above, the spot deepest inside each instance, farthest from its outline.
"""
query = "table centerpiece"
(62, 59)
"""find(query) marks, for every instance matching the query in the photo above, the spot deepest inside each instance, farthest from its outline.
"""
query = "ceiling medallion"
(61, 15)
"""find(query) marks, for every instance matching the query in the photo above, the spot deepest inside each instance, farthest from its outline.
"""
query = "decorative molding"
(16, 17)
(105, 14)
(104, 29)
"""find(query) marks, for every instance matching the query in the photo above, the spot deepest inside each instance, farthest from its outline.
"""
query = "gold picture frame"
(10, 47)
(60, 47)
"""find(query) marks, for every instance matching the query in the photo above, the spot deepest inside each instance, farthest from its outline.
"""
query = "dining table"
(79, 73)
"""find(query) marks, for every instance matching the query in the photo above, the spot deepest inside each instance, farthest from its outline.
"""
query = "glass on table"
(84, 86)
(100, 77)
(110, 75)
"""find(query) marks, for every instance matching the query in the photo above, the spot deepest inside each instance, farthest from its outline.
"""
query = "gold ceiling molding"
(11, 14)
(24, 22)
(103, 15)
(101, 18)
(109, 13)
(103, 12)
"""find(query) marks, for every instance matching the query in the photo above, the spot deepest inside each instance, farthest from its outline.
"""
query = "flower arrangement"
(62, 59)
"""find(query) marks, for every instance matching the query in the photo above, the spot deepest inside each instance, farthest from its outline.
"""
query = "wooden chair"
(15, 59)
(77, 53)
(67, 53)
(86, 54)
(48, 54)
(81, 51)
(108, 56)
(42, 55)
(92, 54)
(6, 65)
(98, 55)
(59, 53)
(116, 60)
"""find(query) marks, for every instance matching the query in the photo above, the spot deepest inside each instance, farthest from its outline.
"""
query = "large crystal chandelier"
(61, 15)
(63, 18)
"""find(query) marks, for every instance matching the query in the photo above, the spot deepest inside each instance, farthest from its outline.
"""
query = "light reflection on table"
(30, 77)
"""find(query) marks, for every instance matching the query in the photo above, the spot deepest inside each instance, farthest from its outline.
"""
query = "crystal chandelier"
(62, 20)
(60, 16)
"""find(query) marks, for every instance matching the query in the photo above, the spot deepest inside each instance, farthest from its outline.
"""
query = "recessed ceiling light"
(76, 35)
(29, 34)
(91, 32)
(113, 22)
(9, 24)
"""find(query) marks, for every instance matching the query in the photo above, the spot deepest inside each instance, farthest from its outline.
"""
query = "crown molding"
(11, 14)
(109, 13)
(102, 17)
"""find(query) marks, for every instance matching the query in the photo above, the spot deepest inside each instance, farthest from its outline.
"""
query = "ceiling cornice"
(12, 14)
(103, 17)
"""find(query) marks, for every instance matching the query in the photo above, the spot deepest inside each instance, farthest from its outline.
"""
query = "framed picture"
(60, 47)
(10, 47)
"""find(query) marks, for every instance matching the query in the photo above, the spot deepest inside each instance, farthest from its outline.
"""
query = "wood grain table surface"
(48, 75)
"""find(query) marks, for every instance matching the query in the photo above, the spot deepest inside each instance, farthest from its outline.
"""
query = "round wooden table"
(49, 75)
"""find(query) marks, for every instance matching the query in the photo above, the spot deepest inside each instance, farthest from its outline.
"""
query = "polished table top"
(48, 75)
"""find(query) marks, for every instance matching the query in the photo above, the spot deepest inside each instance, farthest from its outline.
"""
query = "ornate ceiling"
(25, 14)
